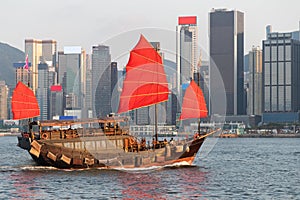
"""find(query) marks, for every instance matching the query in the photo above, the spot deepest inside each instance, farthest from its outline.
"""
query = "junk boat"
(106, 142)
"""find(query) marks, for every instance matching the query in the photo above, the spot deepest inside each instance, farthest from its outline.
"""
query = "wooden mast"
(198, 82)
(155, 107)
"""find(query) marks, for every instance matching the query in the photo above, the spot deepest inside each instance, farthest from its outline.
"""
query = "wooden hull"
(109, 152)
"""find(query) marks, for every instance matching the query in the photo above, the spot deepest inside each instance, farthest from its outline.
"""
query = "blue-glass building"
(281, 76)
(226, 43)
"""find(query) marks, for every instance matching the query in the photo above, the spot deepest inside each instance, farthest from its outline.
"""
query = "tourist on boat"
(143, 143)
(196, 135)
(154, 142)
(172, 141)
(165, 141)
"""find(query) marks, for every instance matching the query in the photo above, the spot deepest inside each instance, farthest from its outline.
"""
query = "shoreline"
(5, 134)
(269, 136)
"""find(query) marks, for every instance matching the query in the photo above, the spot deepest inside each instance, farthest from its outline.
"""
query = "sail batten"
(145, 81)
(24, 103)
(193, 105)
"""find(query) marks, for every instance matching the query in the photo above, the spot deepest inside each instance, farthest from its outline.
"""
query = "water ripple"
(254, 168)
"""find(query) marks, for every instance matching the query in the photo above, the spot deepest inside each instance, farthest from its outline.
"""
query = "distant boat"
(107, 142)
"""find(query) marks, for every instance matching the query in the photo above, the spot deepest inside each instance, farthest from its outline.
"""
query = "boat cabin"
(66, 129)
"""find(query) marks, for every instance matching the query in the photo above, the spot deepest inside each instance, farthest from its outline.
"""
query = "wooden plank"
(66, 159)
(34, 144)
(51, 156)
(89, 161)
(35, 152)
(146, 161)
(160, 159)
(77, 161)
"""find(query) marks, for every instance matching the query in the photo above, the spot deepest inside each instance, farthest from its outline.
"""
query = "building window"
(280, 53)
(280, 42)
(280, 73)
(267, 99)
(288, 53)
(267, 53)
(274, 98)
(288, 73)
(288, 100)
(274, 73)
(281, 98)
(274, 53)
(267, 73)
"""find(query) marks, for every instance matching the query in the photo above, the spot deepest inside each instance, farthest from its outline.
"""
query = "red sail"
(145, 82)
(24, 103)
(193, 105)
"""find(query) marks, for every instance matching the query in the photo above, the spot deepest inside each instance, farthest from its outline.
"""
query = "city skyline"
(226, 49)
(87, 24)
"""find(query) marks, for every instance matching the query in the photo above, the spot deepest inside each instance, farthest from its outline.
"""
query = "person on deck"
(154, 142)
(171, 141)
(196, 136)
(165, 141)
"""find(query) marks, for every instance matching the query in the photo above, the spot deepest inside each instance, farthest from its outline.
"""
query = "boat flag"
(26, 66)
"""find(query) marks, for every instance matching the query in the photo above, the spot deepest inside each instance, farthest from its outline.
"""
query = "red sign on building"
(56, 88)
(187, 20)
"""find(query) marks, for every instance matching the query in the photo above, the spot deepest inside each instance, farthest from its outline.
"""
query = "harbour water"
(236, 168)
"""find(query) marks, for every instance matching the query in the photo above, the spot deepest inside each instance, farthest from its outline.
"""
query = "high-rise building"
(254, 95)
(88, 91)
(56, 101)
(42, 93)
(281, 75)
(101, 80)
(204, 79)
(171, 108)
(39, 51)
(115, 90)
(226, 44)
(3, 100)
(72, 74)
(186, 49)
(172, 111)
(52, 76)
(142, 116)
(23, 75)
(114, 76)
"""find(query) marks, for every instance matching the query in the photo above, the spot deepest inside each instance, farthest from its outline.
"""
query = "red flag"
(26, 66)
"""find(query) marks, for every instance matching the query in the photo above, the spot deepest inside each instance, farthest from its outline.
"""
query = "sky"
(118, 23)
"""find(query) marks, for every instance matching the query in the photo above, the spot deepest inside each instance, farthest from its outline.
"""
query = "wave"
(25, 168)
(48, 168)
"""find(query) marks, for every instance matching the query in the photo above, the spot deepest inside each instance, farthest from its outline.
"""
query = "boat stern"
(24, 141)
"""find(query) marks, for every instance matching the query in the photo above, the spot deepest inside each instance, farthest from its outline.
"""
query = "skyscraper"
(23, 75)
(254, 96)
(37, 51)
(88, 88)
(101, 80)
(3, 100)
(226, 44)
(186, 49)
(114, 76)
(42, 93)
(56, 101)
(71, 69)
(281, 74)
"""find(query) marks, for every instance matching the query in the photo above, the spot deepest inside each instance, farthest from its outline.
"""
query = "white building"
(186, 49)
